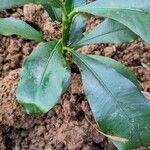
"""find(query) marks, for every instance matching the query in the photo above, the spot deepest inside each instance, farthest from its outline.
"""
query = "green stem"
(72, 14)
(66, 24)
(65, 27)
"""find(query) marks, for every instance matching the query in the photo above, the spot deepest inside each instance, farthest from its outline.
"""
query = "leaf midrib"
(51, 55)
(84, 41)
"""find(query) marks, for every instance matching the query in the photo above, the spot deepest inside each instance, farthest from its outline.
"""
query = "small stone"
(109, 51)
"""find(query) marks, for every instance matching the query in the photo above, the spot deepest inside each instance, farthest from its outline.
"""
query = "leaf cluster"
(113, 92)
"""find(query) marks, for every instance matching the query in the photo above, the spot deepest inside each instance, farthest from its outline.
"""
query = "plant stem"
(65, 27)
(72, 14)
(66, 24)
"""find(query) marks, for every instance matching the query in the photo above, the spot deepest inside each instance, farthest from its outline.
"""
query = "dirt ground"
(70, 125)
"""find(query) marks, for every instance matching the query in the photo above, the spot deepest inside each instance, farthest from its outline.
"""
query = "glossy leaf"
(54, 13)
(12, 26)
(5, 4)
(135, 14)
(56, 3)
(122, 69)
(77, 29)
(119, 108)
(71, 4)
(109, 31)
(45, 76)
(79, 21)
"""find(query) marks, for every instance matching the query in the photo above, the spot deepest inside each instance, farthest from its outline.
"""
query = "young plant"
(121, 111)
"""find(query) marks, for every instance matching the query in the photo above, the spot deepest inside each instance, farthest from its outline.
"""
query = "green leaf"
(71, 4)
(55, 3)
(119, 108)
(135, 14)
(12, 26)
(54, 13)
(77, 29)
(5, 4)
(79, 21)
(109, 31)
(45, 76)
(122, 69)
